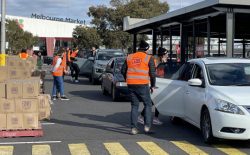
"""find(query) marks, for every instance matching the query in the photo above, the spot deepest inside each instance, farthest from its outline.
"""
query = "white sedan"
(211, 93)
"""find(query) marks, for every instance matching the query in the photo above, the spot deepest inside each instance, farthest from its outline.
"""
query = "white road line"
(38, 142)
(47, 123)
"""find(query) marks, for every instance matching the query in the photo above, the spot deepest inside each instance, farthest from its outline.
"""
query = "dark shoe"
(134, 131)
(53, 98)
(64, 98)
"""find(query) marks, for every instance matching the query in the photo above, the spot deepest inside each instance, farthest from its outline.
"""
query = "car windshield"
(107, 55)
(229, 74)
(118, 65)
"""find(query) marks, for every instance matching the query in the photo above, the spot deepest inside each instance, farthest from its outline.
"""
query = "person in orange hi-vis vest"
(57, 72)
(75, 70)
(139, 71)
(23, 54)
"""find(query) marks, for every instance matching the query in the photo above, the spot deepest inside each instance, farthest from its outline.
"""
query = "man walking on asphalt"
(137, 70)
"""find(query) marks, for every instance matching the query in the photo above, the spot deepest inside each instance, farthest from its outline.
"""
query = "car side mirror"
(195, 82)
(91, 59)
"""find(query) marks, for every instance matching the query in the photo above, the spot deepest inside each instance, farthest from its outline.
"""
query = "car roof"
(106, 50)
(216, 60)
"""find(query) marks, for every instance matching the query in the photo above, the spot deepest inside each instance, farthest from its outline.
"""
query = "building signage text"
(69, 20)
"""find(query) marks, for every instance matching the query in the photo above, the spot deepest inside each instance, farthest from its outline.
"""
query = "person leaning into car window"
(139, 70)
(161, 63)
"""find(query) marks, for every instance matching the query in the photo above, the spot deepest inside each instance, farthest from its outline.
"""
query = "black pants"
(156, 111)
(75, 70)
(140, 93)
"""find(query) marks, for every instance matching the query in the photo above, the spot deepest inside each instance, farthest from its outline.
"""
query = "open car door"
(169, 96)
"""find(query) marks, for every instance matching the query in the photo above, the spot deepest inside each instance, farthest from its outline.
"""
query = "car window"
(228, 74)
(118, 64)
(184, 73)
(108, 67)
(198, 73)
(107, 55)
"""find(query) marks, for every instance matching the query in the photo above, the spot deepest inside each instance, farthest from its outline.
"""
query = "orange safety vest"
(59, 70)
(68, 56)
(23, 56)
(138, 70)
(73, 54)
(64, 63)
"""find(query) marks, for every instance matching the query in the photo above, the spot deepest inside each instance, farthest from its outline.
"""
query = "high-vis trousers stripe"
(189, 148)
(152, 148)
(41, 150)
(78, 149)
(6, 150)
(116, 149)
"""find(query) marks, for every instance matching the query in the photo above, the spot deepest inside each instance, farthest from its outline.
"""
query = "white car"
(213, 94)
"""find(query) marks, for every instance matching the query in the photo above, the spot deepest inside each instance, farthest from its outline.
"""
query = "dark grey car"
(113, 81)
(101, 59)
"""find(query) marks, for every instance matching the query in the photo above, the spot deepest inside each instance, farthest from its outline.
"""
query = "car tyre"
(115, 94)
(104, 91)
(206, 126)
(93, 80)
(90, 78)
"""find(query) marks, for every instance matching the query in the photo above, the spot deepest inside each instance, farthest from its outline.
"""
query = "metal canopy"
(215, 9)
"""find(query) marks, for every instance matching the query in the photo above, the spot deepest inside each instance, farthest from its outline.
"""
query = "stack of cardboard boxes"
(21, 104)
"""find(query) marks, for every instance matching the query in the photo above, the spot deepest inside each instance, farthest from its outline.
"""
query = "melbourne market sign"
(69, 20)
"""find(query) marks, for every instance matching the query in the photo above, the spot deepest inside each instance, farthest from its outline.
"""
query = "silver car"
(100, 61)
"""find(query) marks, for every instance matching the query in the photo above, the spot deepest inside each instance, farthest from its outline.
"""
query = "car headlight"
(228, 107)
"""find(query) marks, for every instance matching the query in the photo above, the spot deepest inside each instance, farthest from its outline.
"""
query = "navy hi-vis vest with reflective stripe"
(138, 70)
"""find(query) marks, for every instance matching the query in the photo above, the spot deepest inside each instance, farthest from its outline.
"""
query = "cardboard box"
(30, 121)
(15, 121)
(7, 105)
(33, 62)
(2, 90)
(14, 73)
(3, 124)
(12, 61)
(44, 113)
(25, 73)
(31, 88)
(14, 89)
(44, 101)
(4, 74)
(26, 105)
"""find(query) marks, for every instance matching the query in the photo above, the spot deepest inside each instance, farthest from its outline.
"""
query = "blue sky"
(76, 9)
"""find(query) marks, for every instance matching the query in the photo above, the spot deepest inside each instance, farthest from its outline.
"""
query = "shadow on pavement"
(95, 95)
(105, 122)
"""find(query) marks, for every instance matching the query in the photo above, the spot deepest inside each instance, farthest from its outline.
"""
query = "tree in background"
(109, 20)
(86, 37)
(18, 38)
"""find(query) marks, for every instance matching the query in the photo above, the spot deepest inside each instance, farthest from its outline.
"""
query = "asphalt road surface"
(90, 123)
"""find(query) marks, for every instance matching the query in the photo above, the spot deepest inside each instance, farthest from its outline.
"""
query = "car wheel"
(104, 91)
(206, 126)
(115, 95)
(93, 80)
(90, 78)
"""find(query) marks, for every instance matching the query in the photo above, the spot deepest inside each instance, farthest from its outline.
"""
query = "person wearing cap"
(139, 71)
